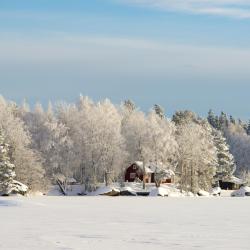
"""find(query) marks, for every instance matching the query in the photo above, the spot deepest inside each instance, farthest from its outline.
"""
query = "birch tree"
(197, 157)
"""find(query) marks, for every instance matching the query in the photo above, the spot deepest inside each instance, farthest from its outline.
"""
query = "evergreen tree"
(212, 119)
(232, 120)
(217, 122)
(7, 172)
(184, 117)
(245, 126)
(223, 121)
(226, 164)
(159, 111)
(248, 128)
(129, 105)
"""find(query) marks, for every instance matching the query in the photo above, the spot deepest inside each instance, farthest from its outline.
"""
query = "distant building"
(136, 172)
(231, 183)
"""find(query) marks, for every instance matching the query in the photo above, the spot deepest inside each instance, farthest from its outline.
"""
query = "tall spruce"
(7, 169)
(212, 119)
(159, 111)
(248, 128)
(226, 165)
(129, 105)
(223, 121)
(232, 120)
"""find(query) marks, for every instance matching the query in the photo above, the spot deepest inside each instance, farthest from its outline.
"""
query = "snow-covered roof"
(235, 180)
(71, 180)
(148, 170)
(152, 168)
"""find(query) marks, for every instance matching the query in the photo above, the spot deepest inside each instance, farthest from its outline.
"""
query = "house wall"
(132, 173)
(228, 185)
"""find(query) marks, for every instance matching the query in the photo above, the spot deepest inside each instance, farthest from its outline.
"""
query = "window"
(132, 175)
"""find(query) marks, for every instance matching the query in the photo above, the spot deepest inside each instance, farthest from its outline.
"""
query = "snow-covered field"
(110, 223)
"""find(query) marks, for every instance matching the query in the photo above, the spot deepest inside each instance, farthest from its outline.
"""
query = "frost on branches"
(226, 165)
(7, 169)
(197, 153)
(96, 141)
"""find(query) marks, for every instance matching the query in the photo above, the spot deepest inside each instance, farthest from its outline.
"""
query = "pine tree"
(245, 126)
(232, 120)
(159, 111)
(184, 117)
(129, 105)
(248, 128)
(7, 172)
(226, 164)
(212, 119)
(223, 121)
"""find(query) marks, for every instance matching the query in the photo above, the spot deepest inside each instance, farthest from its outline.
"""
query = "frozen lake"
(110, 223)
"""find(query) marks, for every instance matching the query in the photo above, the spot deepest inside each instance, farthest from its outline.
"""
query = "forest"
(87, 139)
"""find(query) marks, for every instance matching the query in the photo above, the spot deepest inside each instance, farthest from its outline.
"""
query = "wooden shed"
(231, 183)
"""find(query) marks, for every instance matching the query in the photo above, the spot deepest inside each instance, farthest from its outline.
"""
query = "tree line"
(87, 139)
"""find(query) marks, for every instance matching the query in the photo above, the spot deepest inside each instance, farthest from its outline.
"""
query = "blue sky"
(192, 54)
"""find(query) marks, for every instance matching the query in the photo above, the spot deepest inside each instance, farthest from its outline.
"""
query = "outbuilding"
(231, 183)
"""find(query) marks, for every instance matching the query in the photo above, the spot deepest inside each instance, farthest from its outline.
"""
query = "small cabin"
(135, 173)
(231, 183)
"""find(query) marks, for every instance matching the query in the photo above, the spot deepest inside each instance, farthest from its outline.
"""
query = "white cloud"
(230, 8)
(125, 56)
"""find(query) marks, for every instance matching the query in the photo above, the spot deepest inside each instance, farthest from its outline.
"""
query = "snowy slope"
(138, 223)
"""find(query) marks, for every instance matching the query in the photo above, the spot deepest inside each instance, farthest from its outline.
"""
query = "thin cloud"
(124, 55)
(230, 8)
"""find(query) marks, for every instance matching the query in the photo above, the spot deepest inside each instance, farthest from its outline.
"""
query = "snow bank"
(159, 192)
(175, 194)
(216, 191)
(104, 190)
(17, 188)
(203, 193)
(243, 191)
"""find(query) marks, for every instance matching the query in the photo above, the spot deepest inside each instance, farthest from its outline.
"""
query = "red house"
(135, 172)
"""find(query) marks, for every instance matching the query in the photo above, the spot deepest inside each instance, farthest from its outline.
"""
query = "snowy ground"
(110, 223)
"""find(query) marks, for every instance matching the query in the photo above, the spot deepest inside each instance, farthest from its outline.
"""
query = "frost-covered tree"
(26, 159)
(159, 111)
(223, 121)
(50, 138)
(197, 156)
(232, 120)
(212, 119)
(162, 146)
(7, 169)
(239, 143)
(134, 130)
(129, 105)
(96, 132)
(183, 117)
(226, 165)
(248, 128)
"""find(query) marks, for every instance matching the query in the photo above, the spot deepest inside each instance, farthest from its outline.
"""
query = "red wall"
(134, 170)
